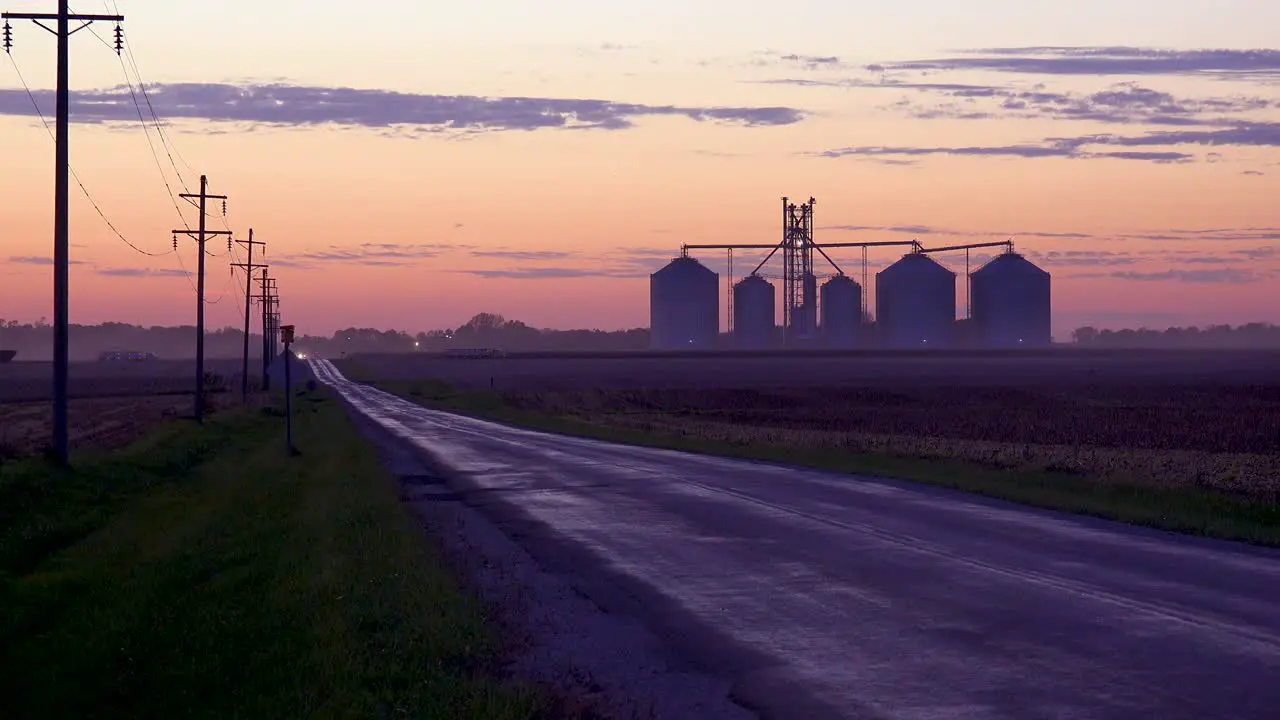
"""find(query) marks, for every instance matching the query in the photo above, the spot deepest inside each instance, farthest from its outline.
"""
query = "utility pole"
(249, 267)
(286, 336)
(201, 235)
(275, 324)
(268, 300)
(61, 233)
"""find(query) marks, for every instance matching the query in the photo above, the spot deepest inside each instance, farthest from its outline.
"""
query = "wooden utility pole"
(267, 297)
(249, 267)
(61, 232)
(273, 320)
(286, 337)
(202, 235)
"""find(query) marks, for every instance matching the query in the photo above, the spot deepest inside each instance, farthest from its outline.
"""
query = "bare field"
(1061, 369)
(24, 381)
(101, 423)
(1169, 419)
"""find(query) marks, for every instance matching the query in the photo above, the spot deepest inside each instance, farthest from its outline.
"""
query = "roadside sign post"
(286, 337)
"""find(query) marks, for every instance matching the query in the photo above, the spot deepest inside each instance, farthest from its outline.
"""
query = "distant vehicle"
(474, 353)
(7, 355)
(126, 356)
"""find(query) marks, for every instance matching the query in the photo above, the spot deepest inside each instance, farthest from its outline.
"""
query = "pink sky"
(418, 226)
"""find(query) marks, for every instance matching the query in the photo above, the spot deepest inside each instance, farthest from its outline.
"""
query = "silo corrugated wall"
(754, 308)
(684, 306)
(841, 312)
(1011, 304)
(916, 304)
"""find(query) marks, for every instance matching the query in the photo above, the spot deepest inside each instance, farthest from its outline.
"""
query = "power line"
(61, 214)
(164, 177)
(170, 148)
(201, 236)
(31, 95)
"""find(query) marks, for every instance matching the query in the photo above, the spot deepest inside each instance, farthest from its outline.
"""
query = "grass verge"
(1187, 510)
(205, 573)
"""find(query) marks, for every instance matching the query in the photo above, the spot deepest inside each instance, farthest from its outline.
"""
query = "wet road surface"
(831, 596)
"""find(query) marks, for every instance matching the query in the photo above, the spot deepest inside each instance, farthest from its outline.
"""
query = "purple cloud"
(1069, 148)
(1123, 103)
(378, 254)
(141, 272)
(1213, 235)
(1254, 134)
(897, 229)
(1227, 275)
(557, 273)
(523, 254)
(1243, 64)
(1086, 258)
(809, 62)
(38, 260)
(301, 106)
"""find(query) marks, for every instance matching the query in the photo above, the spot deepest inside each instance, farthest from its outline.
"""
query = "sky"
(417, 162)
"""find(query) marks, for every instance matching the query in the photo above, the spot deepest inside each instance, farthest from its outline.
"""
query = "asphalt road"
(830, 596)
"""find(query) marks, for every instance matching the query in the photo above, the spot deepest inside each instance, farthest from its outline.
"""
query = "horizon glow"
(397, 188)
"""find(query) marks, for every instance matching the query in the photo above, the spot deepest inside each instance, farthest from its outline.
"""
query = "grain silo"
(1011, 306)
(684, 306)
(841, 312)
(916, 303)
(754, 308)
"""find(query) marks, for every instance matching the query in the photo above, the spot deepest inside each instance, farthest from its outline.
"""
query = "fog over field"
(1059, 368)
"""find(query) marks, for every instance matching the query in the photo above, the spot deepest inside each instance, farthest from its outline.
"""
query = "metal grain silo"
(841, 311)
(916, 303)
(754, 308)
(684, 306)
(1011, 306)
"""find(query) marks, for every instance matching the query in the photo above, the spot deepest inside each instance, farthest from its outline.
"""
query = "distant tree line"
(1252, 335)
(483, 330)
(34, 341)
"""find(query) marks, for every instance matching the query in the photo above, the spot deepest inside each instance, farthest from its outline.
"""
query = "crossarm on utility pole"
(248, 267)
(54, 16)
(62, 30)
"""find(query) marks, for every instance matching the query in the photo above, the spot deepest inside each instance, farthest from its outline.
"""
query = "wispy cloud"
(378, 254)
(1086, 258)
(139, 272)
(1172, 121)
(1227, 275)
(1121, 104)
(1052, 148)
(1256, 134)
(811, 62)
(523, 254)
(1251, 234)
(1133, 61)
(38, 260)
(898, 229)
(554, 273)
(622, 263)
(532, 273)
(280, 104)
(291, 263)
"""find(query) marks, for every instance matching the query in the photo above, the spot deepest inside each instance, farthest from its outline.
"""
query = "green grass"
(1191, 511)
(205, 573)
